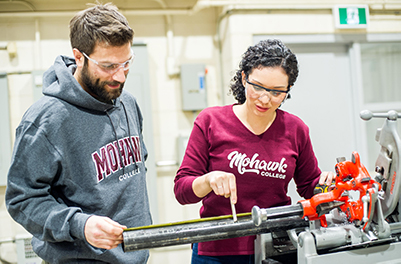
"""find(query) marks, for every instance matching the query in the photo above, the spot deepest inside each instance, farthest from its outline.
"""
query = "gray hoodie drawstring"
(115, 134)
(129, 133)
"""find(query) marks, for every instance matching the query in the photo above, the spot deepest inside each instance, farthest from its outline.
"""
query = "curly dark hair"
(267, 53)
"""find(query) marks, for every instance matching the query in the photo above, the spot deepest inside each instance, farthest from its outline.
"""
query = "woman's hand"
(220, 182)
(326, 177)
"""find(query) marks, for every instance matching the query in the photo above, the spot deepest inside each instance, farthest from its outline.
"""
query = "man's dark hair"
(100, 24)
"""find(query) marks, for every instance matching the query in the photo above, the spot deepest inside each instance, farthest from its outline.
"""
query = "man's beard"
(98, 89)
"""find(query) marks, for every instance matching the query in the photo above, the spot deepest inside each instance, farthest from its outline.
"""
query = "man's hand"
(102, 232)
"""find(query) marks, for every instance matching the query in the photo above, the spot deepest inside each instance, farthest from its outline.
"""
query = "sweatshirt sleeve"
(35, 165)
(194, 164)
(307, 172)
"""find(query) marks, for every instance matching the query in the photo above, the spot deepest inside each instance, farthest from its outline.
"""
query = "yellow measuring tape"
(188, 221)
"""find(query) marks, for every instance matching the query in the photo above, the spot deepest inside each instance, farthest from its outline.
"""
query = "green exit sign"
(351, 16)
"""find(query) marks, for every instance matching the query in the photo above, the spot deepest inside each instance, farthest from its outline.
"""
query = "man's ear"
(79, 58)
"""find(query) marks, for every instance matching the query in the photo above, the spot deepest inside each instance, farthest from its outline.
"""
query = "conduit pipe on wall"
(29, 5)
(388, 5)
(126, 12)
(38, 54)
(171, 67)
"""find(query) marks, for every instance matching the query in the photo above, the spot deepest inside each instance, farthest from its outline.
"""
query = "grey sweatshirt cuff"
(77, 225)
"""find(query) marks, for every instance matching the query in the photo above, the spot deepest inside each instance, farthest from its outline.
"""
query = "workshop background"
(186, 53)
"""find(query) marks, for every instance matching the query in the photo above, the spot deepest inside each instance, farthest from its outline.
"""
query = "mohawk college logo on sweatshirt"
(273, 169)
(116, 155)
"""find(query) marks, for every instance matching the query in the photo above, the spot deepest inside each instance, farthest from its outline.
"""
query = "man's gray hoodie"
(74, 157)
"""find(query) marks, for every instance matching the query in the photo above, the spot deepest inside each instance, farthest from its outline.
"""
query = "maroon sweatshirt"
(262, 164)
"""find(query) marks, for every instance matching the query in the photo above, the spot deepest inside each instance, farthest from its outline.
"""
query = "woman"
(248, 152)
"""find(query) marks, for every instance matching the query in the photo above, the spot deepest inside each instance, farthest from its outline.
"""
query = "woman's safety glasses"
(259, 91)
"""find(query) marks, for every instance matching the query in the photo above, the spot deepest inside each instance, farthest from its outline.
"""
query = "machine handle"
(391, 115)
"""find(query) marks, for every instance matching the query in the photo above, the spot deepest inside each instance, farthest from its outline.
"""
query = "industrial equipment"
(355, 220)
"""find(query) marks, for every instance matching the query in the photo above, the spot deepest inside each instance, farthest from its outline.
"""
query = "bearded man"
(77, 177)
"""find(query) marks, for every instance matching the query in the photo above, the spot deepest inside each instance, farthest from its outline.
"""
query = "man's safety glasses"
(112, 68)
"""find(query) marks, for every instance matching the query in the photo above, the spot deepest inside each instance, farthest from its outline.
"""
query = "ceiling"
(70, 5)
(39, 8)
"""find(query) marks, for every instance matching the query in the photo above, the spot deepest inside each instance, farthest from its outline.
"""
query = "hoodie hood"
(59, 81)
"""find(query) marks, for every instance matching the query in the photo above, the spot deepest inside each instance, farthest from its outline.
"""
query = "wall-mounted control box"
(193, 87)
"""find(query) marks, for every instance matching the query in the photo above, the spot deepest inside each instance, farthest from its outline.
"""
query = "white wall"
(195, 41)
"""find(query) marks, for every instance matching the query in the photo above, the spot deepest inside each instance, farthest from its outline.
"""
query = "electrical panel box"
(193, 87)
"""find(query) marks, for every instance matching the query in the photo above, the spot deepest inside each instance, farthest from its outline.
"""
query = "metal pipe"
(261, 215)
(125, 12)
(7, 240)
(206, 229)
